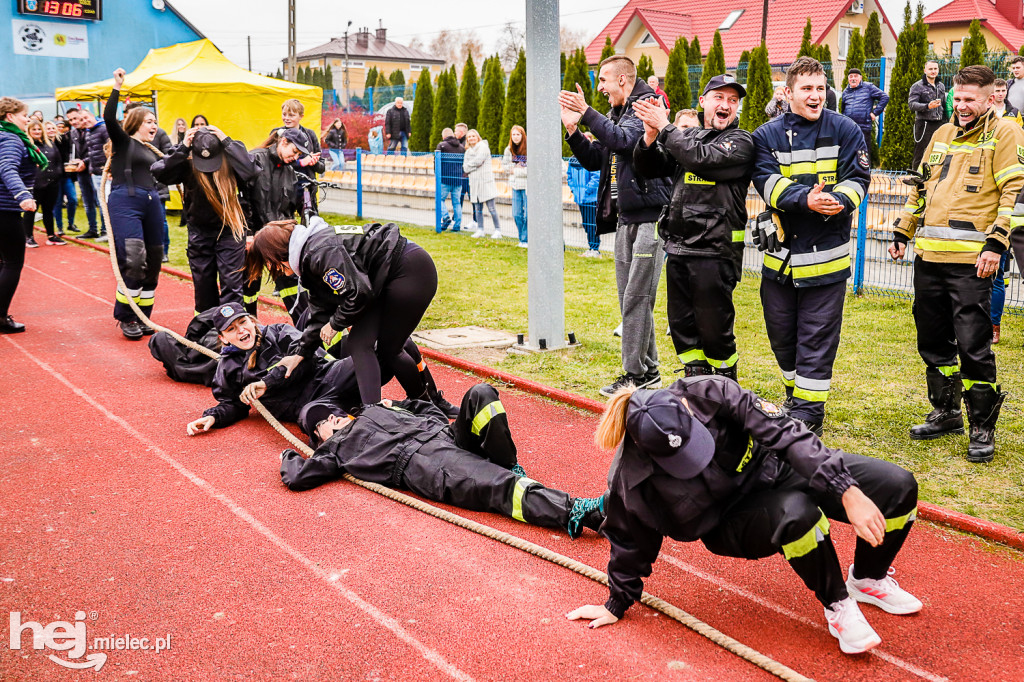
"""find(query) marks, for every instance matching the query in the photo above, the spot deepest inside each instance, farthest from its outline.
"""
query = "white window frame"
(733, 17)
(313, 63)
(644, 42)
(419, 67)
(845, 34)
(955, 48)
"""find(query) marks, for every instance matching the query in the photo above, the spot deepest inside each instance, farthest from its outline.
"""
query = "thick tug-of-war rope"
(721, 639)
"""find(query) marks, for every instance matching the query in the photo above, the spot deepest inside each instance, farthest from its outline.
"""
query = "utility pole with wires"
(291, 41)
(347, 100)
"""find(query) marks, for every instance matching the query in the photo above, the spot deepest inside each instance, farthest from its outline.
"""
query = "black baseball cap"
(665, 430)
(296, 137)
(313, 413)
(723, 81)
(207, 151)
(228, 313)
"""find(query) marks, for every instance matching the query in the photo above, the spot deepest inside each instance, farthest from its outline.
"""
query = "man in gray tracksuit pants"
(628, 205)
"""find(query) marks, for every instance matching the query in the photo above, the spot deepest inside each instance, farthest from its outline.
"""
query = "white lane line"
(372, 611)
(726, 585)
(64, 283)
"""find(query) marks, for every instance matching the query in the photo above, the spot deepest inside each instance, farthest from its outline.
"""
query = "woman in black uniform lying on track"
(369, 278)
(707, 460)
(470, 463)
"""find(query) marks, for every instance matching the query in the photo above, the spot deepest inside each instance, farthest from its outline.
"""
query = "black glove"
(767, 232)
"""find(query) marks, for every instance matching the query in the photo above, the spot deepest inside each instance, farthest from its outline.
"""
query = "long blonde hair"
(612, 428)
(222, 193)
(45, 141)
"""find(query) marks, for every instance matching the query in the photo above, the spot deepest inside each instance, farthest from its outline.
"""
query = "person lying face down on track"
(707, 460)
(470, 463)
(369, 278)
(250, 368)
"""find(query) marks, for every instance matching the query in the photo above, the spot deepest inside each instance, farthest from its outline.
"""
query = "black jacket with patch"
(754, 440)
(272, 193)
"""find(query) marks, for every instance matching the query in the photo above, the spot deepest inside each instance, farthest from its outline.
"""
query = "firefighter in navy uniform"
(704, 221)
(960, 215)
(707, 460)
(812, 169)
(470, 463)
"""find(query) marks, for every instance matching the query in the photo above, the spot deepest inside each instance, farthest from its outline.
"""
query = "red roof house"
(1002, 24)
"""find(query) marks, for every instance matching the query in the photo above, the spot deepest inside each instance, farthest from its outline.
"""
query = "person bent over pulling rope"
(469, 463)
(707, 460)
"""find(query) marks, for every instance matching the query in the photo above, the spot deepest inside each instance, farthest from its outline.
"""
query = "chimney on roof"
(363, 37)
(382, 33)
(1012, 10)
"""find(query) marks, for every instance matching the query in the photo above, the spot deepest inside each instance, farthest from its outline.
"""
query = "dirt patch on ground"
(484, 356)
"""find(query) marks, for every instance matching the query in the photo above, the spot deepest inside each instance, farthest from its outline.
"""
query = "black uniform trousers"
(951, 311)
(700, 309)
(803, 325)
(295, 299)
(473, 475)
(791, 519)
(923, 131)
(137, 223)
(213, 257)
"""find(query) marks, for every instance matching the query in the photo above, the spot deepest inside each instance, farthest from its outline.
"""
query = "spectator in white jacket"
(482, 190)
(514, 164)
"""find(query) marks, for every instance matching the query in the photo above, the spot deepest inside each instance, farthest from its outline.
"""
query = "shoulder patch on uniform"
(334, 279)
(863, 159)
(1020, 154)
(768, 409)
(726, 145)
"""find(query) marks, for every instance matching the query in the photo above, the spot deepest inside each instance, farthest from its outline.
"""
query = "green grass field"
(878, 389)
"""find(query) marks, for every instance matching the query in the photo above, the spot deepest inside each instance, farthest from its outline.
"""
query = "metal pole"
(862, 240)
(346, 65)
(291, 41)
(545, 263)
(248, 46)
(359, 182)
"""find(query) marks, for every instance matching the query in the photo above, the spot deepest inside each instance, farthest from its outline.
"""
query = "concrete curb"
(996, 532)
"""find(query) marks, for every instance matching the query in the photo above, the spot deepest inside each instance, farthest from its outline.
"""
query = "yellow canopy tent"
(195, 78)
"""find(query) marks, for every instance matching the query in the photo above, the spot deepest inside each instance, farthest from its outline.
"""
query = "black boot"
(727, 372)
(817, 428)
(946, 419)
(437, 397)
(983, 403)
(696, 370)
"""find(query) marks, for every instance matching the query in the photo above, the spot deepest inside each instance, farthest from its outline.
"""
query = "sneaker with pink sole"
(847, 624)
(886, 593)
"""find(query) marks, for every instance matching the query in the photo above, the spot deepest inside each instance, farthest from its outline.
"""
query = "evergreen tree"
(371, 78)
(600, 102)
(469, 94)
(974, 47)
(714, 65)
(565, 65)
(807, 46)
(584, 75)
(677, 77)
(644, 68)
(855, 56)
(873, 38)
(328, 79)
(445, 106)
(695, 57)
(397, 77)
(897, 151)
(279, 76)
(492, 103)
(743, 67)
(422, 114)
(921, 31)
(825, 57)
(383, 82)
(759, 89)
(1021, 50)
(515, 103)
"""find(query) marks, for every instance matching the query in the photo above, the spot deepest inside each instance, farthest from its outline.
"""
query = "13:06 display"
(65, 9)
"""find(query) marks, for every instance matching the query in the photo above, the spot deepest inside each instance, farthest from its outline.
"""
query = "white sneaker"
(523, 245)
(496, 235)
(886, 593)
(478, 234)
(617, 331)
(847, 624)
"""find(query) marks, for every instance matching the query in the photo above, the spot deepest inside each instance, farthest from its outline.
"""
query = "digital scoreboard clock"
(62, 9)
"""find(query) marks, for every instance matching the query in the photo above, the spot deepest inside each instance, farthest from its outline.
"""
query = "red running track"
(110, 509)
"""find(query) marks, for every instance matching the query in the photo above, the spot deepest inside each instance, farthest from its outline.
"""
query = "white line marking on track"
(69, 286)
(376, 614)
(725, 584)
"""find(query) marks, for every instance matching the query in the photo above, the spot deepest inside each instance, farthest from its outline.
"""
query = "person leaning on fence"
(703, 224)
(707, 460)
(812, 169)
(398, 127)
(960, 215)
(863, 102)
(927, 99)
(627, 204)
(452, 152)
(514, 164)
(135, 209)
(482, 189)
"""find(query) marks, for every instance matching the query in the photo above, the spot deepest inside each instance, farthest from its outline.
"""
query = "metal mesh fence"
(407, 189)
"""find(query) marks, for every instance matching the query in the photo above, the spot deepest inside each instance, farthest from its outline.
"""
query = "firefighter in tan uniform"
(959, 215)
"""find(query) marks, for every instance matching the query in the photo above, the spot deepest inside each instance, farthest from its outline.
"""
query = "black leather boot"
(695, 370)
(946, 419)
(983, 403)
(817, 428)
(727, 372)
(437, 397)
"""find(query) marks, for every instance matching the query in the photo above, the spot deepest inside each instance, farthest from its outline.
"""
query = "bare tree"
(509, 44)
(416, 43)
(445, 45)
(471, 45)
(569, 39)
